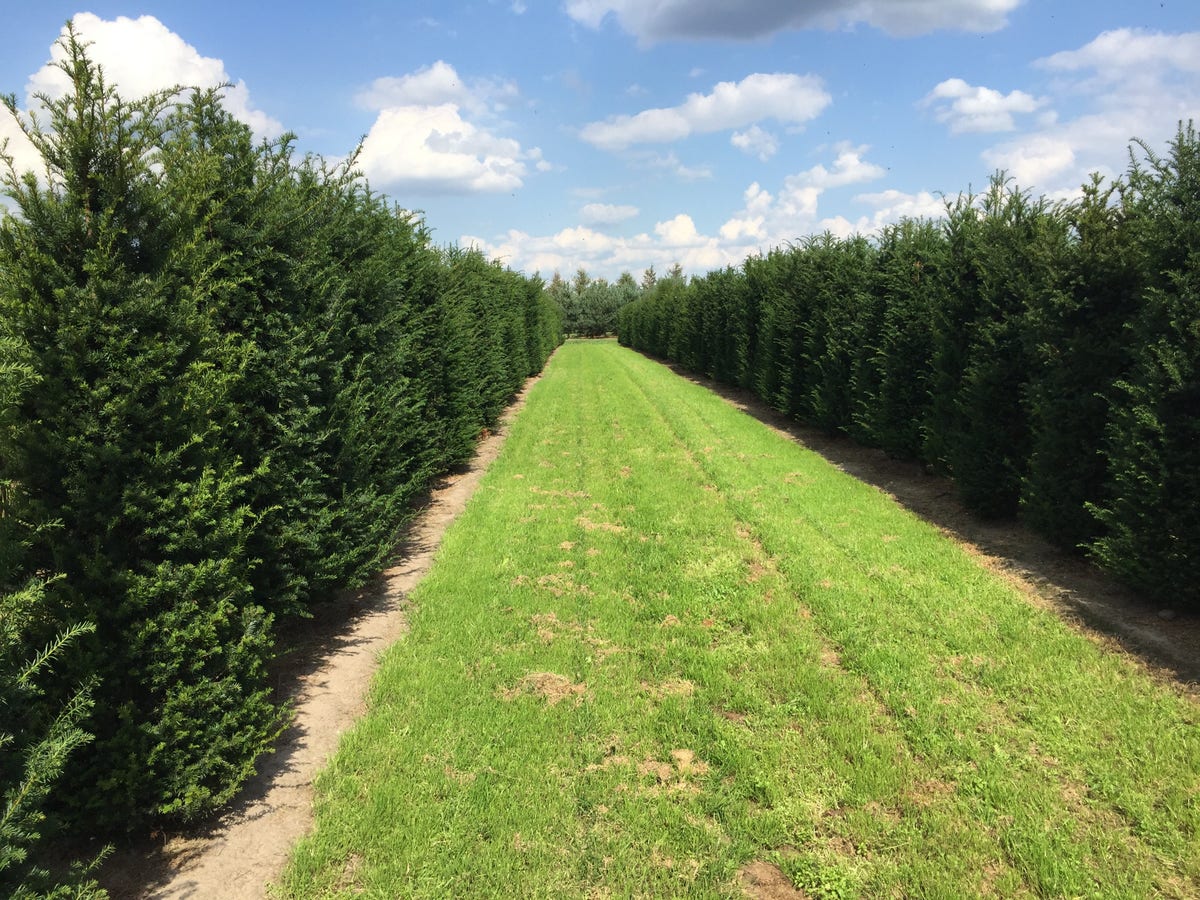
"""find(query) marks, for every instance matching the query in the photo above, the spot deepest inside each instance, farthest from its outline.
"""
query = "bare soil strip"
(327, 679)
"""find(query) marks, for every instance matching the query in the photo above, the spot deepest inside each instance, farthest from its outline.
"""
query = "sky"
(615, 135)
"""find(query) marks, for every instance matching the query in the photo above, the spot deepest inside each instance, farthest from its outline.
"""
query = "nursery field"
(666, 651)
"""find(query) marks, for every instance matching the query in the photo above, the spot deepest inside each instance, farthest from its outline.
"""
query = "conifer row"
(225, 374)
(1045, 355)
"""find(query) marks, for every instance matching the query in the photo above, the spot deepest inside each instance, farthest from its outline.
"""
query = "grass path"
(667, 652)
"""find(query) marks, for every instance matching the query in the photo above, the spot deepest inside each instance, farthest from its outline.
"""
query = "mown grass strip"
(663, 642)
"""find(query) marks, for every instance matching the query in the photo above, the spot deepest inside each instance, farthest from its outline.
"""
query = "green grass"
(663, 642)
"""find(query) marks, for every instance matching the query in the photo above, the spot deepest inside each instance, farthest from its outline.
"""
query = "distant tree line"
(590, 307)
(225, 374)
(1045, 355)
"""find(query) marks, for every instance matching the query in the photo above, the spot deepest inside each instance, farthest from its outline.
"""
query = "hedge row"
(226, 372)
(1047, 356)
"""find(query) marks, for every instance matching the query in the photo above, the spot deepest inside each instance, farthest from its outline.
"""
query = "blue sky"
(617, 134)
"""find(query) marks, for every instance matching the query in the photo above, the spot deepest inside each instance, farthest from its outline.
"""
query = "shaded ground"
(326, 678)
(1166, 640)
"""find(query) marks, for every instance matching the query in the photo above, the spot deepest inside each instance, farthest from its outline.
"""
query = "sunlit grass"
(663, 642)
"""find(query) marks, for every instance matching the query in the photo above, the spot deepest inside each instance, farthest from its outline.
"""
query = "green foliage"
(1152, 509)
(722, 308)
(895, 368)
(840, 302)
(591, 308)
(1078, 339)
(228, 373)
(124, 444)
(1005, 250)
(1044, 355)
(37, 739)
(36, 742)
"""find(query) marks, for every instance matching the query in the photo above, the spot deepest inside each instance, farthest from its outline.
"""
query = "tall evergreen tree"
(1002, 252)
(1152, 508)
(1078, 339)
(126, 448)
(894, 384)
(37, 736)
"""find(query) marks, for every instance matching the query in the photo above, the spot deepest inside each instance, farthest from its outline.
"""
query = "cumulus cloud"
(1126, 83)
(848, 168)
(1116, 53)
(678, 232)
(765, 220)
(606, 214)
(435, 133)
(968, 108)
(793, 211)
(140, 56)
(886, 207)
(1036, 160)
(434, 85)
(433, 149)
(659, 20)
(892, 206)
(15, 145)
(756, 141)
(674, 240)
(781, 96)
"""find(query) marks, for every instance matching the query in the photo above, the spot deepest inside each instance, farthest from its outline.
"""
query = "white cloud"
(756, 141)
(432, 149)
(428, 137)
(967, 108)
(848, 168)
(749, 225)
(889, 206)
(657, 20)
(1034, 160)
(794, 210)
(606, 213)
(1128, 49)
(577, 239)
(16, 145)
(1126, 83)
(141, 56)
(669, 162)
(785, 97)
(892, 205)
(765, 220)
(434, 85)
(674, 240)
(678, 232)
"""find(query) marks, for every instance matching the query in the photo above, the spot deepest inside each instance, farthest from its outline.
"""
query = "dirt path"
(327, 679)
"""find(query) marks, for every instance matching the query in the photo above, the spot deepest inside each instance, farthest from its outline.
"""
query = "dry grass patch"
(588, 525)
(549, 686)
